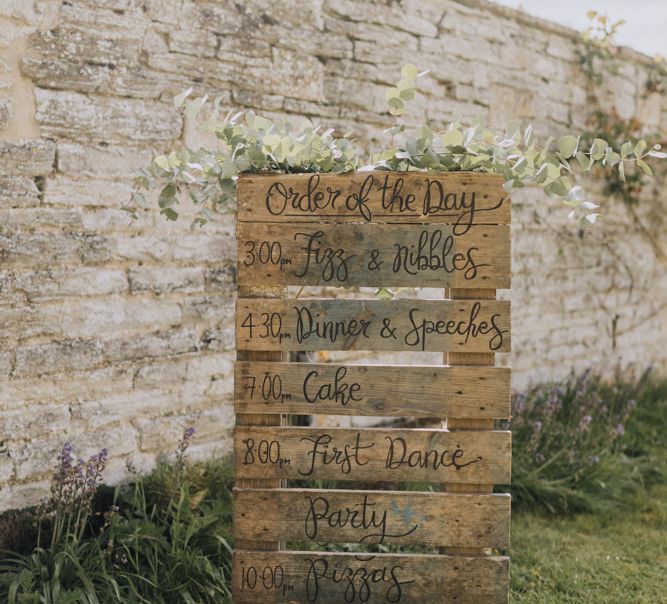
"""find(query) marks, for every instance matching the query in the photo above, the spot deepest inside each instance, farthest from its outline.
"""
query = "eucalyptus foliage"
(247, 142)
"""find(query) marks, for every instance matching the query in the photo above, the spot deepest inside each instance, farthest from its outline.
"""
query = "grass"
(614, 557)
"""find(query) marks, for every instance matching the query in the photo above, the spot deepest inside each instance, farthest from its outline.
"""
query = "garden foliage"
(583, 443)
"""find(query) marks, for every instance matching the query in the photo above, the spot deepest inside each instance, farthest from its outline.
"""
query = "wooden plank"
(332, 578)
(259, 419)
(417, 325)
(455, 424)
(374, 255)
(372, 390)
(398, 517)
(373, 455)
(459, 198)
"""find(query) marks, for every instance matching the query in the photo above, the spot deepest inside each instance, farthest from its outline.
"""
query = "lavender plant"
(66, 511)
(575, 444)
(160, 540)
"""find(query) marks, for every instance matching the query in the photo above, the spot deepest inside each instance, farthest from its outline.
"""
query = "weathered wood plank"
(418, 325)
(263, 418)
(374, 255)
(455, 424)
(458, 198)
(373, 455)
(399, 517)
(326, 578)
(372, 390)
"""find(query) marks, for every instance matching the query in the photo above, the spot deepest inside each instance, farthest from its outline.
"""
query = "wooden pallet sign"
(372, 229)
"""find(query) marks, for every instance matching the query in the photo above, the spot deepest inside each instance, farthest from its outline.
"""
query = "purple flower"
(632, 403)
(595, 458)
(620, 429)
(520, 401)
(537, 426)
(585, 422)
(540, 458)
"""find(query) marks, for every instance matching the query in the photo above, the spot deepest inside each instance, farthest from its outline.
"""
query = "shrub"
(582, 443)
(162, 539)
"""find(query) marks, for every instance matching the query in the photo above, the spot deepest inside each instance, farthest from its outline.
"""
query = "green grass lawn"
(618, 557)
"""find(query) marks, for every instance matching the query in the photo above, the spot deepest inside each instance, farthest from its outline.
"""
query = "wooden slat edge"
(381, 196)
(378, 325)
(373, 454)
(354, 516)
(424, 391)
(308, 578)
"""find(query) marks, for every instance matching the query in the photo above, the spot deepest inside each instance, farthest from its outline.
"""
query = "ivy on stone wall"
(598, 56)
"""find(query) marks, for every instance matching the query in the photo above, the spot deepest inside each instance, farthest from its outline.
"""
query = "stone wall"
(117, 333)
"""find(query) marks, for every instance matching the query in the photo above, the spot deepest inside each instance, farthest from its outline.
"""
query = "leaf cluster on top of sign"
(251, 143)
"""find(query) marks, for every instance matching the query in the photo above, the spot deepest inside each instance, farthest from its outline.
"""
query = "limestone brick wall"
(119, 334)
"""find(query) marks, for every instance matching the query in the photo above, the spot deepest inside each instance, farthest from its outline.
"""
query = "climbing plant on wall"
(598, 56)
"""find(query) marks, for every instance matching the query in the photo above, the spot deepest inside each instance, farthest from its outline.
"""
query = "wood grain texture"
(327, 578)
(372, 390)
(420, 325)
(259, 419)
(373, 255)
(459, 198)
(455, 424)
(373, 455)
(398, 517)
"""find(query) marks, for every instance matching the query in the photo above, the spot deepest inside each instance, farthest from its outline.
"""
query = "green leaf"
(391, 93)
(271, 141)
(384, 293)
(194, 107)
(528, 136)
(163, 162)
(621, 171)
(410, 71)
(179, 99)
(577, 193)
(645, 167)
(396, 106)
(553, 172)
(626, 149)
(452, 138)
(167, 196)
(139, 200)
(132, 211)
(567, 145)
(640, 147)
(584, 161)
(407, 94)
(560, 186)
(611, 157)
(170, 213)
(598, 148)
